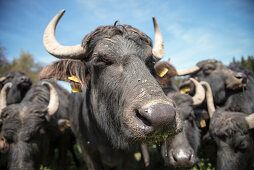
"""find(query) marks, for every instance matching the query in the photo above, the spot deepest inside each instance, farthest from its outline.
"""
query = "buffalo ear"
(164, 71)
(65, 70)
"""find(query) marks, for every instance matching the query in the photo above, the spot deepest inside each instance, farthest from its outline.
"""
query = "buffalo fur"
(108, 32)
(64, 69)
(97, 149)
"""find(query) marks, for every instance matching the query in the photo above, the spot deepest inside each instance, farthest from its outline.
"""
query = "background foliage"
(24, 63)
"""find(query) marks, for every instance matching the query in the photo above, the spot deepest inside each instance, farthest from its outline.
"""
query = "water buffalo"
(32, 129)
(181, 151)
(242, 100)
(233, 134)
(223, 81)
(121, 99)
(20, 85)
(234, 138)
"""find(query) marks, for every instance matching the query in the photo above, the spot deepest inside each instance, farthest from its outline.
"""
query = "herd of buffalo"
(124, 98)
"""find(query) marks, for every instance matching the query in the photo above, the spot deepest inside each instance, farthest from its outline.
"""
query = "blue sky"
(192, 30)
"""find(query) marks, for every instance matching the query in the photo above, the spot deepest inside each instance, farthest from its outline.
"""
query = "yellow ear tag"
(163, 72)
(74, 90)
(74, 78)
(137, 156)
(184, 90)
(202, 123)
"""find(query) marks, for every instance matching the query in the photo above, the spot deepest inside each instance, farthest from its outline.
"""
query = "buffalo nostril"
(244, 80)
(23, 79)
(158, 116)
(175, 157)
(241, 76)
(143, 119)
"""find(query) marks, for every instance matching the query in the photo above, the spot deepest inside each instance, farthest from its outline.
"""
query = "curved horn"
(158, 49)
(209, 98)
(3, 94)
(145, 153)
(199, 97)
(187, 71)
(2, 79)
(250, 120)
(53, 100)
(56, 49)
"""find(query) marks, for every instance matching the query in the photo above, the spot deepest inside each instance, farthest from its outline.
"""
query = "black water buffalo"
(121, 99)
(223, 81)
(20, 85)
(242, 100)
(234, 136)
(181, 150)
(31, 129)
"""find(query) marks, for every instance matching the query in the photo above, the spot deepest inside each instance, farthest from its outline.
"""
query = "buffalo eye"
(8, 136)
(150, 62)
(4, 116)
(243, 144)
(100, 61)
(208, 68)
(240, 141)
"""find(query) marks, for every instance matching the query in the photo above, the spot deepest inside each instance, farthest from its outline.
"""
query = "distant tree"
(26, 64)
(247, 63)
(4, 64)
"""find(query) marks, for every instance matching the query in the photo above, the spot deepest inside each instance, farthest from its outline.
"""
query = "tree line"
(246, 63)
(24, 63)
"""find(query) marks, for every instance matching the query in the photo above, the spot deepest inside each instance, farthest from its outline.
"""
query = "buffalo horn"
(199, 96)
(250, 120)
(56, 49)
(187, 71)
(2, 79)
(145, 153)
(3, 94)
(209, 98)
(53, 100)
(158, 50)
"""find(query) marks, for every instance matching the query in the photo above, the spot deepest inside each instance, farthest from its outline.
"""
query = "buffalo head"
(115, 67)
(222, 80)
(20, 85)
(24, 134)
